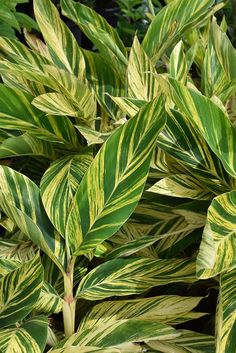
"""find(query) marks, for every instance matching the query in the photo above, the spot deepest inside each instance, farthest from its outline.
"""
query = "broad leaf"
(19, 291)
(63, 178)
(186, 342)
(62, 45)
(112, 186)
(133, 276)
(30, 337)
(20, 200)
(210, 120)
(96, 28)
(26, 145)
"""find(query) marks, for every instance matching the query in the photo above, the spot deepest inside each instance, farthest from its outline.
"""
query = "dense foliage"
(117, 185)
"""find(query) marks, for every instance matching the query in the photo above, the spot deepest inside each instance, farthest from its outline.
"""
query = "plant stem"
(69, 302)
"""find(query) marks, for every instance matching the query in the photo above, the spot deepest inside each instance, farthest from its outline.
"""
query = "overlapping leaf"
(133, 276)
(59, 185)
(19, 291)
(20, 200)
(113, 185)
(96, 28)
(142, 83)
(171, 22)
(30, 337)
(62, 45)
(210, 120)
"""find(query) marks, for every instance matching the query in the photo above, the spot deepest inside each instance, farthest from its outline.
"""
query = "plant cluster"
(117, 185)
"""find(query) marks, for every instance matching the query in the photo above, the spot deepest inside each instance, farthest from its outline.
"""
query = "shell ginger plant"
(117, 187)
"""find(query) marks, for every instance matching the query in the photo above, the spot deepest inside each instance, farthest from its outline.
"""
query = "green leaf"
(6, 15)
(19, 290)
(20, 200)
(26, 145)
(63, 178)
(182, 140)
(133, 276)
(226, 314)
(210, 120)
(218, 247)
(112, 186)
(30, 337)
(61, 43)
(16, 249)
(171, 22)
(224, 49)
(123, 331)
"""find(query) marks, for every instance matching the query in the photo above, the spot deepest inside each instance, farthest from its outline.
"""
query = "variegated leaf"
(182, 140)
(218, 246)
(171, 22)
(226, 314)
(181, 185)
(62, 45)
(20, 200)
(210, 120)
(26, 145)
(7, 266)
(104, 81)
(62, 178)
(96, 28)
(186, 342)
(163, 309)
(48, 302)
(178, 65)
(17, 113)
(133, 276)
(19, 291)
(87, 349)
(112, 186)
(55, 104)
(142, 82)
(29, 337)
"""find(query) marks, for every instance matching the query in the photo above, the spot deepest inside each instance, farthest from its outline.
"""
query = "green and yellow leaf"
(19, 291)
(218, 246)
(110, 190)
